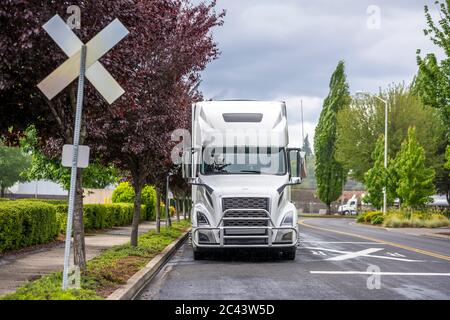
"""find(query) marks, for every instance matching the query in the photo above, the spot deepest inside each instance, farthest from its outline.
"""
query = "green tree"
(415, 179)
(330, 173)
(447, 157)
(375, 177)
(361, 123)
(44, 168)
(432, 82)
(12, 162)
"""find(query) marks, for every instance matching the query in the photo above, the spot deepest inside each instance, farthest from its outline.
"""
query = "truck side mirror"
(295, 163)
(186, 167)
(303, 171)
(191, 163)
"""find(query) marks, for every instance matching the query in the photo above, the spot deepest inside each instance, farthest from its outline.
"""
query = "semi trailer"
(241, 170)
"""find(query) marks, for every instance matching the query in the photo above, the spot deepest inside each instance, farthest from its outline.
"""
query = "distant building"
(37, 189)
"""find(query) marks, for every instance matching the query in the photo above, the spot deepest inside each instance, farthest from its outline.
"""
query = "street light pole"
(385, 141)
(385, 150)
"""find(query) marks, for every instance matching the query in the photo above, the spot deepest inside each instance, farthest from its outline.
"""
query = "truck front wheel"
(289, 254)
(198, 255)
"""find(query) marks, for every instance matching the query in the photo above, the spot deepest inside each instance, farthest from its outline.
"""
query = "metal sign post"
(73, 176)
(82, 62)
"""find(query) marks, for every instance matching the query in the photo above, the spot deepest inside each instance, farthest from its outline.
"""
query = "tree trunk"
(158, 210)
(183, 204)
(177, 208)
(136, 216)
(328, 208)
(168, 220)
(78, 225)
(189, 208)
(2, 192)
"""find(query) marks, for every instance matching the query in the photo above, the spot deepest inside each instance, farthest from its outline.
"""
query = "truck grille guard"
(268, 229)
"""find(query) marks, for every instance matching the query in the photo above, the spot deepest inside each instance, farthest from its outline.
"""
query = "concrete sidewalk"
(442, 232)
(16, 269)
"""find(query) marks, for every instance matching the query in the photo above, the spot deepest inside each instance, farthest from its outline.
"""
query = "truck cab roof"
(240, 122)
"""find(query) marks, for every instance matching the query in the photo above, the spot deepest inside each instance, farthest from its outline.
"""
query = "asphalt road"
(336, 259)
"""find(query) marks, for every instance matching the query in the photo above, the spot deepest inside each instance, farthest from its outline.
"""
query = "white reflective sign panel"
(67, 72)
(83, 156)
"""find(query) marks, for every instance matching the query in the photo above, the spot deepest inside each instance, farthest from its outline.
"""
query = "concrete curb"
(140, 278)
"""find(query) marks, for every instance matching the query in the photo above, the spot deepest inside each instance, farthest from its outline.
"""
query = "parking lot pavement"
(335, 260)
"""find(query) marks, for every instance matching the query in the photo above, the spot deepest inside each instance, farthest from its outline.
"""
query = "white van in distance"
(241, 170)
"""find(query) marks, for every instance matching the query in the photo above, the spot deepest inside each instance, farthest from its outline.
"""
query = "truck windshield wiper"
(251, 171)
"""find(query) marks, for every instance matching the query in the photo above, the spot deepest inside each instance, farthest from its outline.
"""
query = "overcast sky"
(287, 50)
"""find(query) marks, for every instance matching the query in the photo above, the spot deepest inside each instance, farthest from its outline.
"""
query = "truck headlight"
(288, 219)
(202, 219)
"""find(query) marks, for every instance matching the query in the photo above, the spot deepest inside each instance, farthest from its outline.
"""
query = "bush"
(149, 200)
(26, 223)
(100, 216)
(373, 217)
(428, 218)
(49, 201)
(378, 219)
(123, 193)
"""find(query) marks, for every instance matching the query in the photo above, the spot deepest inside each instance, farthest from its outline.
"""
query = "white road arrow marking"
(352, 255)
(67, 72)
(395, 254)
(359, 254)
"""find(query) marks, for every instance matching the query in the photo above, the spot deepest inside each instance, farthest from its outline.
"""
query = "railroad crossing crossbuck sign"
(83, 61)
(67, 72)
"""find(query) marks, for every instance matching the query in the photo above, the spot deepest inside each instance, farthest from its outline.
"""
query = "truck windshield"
(243, 160)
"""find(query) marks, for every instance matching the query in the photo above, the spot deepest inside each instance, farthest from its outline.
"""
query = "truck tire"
(198, 255)
(346, 212)
(289, 254)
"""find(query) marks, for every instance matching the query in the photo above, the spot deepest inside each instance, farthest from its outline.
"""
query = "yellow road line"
(424, 252)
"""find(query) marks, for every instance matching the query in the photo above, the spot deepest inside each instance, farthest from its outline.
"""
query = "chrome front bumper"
(246, 233)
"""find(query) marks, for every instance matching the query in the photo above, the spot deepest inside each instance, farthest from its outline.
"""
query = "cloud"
(287, 50)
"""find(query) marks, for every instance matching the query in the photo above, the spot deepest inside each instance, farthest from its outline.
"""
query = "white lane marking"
(346, 242)
(352, 255)
(363, 255)
(384, 273)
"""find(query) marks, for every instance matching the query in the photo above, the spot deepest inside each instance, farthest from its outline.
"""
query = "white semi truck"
(241, 171)
(351, 207)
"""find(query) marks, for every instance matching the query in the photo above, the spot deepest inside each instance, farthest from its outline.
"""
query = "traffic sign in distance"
(67, 72)
(83, 156)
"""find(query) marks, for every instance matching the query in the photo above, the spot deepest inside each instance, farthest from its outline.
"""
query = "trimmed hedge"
(25, 223)
(49, 201)
(100, 216)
